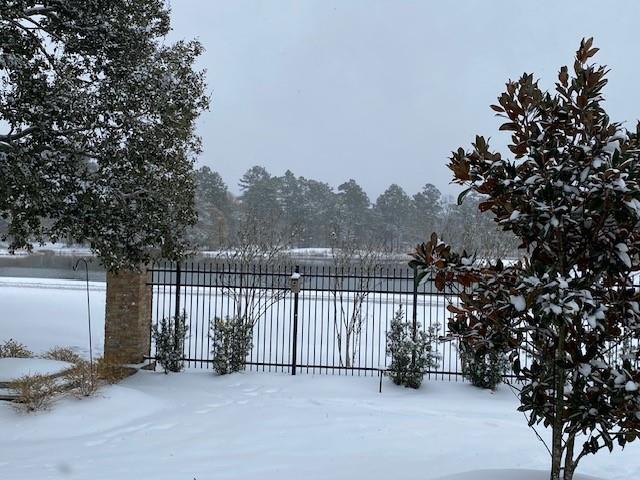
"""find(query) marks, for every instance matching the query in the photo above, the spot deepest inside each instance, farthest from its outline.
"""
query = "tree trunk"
(347, 354)
(558, 421)
(568, 458)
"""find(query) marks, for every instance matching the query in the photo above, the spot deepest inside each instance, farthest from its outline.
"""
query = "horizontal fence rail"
(336, 324)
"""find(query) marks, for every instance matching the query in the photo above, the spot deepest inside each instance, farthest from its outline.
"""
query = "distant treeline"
(301, 212)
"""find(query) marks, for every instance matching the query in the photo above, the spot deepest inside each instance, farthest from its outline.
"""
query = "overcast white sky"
(382, 90)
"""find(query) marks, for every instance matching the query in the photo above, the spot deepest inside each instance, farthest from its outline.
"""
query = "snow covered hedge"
(411, 351)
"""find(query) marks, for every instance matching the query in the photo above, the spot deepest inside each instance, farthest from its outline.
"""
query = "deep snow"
(44, 313)
(279, 427)
(258, 425)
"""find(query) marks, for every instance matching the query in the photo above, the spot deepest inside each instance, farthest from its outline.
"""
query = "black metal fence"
(336, 324)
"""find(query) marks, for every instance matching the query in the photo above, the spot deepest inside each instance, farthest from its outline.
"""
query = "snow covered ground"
(14, 368)
(278, 427)
(44, 313)
(257, 425)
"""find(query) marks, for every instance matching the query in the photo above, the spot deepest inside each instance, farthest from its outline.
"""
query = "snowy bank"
(278, 427)
(14, 368)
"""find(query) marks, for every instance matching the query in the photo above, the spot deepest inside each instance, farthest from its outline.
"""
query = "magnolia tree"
(97, 127)
(572, 198)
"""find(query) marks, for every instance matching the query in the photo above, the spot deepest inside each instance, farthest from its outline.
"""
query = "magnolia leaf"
(463, 194)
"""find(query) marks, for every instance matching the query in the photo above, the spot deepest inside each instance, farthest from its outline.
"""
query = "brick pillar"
(128, 317)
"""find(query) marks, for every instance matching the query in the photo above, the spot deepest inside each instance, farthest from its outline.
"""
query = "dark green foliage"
(354, 217)
(572, 198)
(301, 212)
(169, 339)
(97, 127)
(232, 341)
(214, 207)
(410, 355)
(393, 209)
(484, 369)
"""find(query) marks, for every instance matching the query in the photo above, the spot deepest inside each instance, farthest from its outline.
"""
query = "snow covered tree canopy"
(97, 117)
(572, 198)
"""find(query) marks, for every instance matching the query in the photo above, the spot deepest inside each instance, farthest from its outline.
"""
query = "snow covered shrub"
(82, 378)
(169, 339)
(62, 354)
(484, 369)
(572, 197)
(13, 349)
(232, 341)
(410, 355)
(35, 392)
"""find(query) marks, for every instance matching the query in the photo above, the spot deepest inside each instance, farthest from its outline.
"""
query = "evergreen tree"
(213, 205)
(97, 121)
(260, 196)
(572, 198)
(353, 219)
(294, 212)
(427, 211)
(393, 214)
(320, 212)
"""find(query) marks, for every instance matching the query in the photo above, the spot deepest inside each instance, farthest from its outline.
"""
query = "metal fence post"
(176, 317)
(295, 288)
(415, 302)
(414, 313)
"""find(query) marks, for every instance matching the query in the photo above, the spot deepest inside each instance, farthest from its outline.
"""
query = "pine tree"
(213, 205)
(393, 210)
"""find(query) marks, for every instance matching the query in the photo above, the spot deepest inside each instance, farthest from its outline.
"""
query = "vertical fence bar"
(294, 351)
(414, 314)
(178, 280)
(176, 339)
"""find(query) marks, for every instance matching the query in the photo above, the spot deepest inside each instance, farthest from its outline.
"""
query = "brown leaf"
(510, 126)
(563, 76)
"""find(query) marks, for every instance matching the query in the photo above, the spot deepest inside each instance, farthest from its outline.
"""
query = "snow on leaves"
(572, 197)
(100, 116)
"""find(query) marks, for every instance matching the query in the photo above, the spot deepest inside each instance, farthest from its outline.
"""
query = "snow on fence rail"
(341, 322)
(342, 317)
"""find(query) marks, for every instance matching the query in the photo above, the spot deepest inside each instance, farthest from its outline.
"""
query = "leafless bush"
(347, 254)
(14, 349)
(62, 354)
(82, 378)
(35, 392)
(257, 244)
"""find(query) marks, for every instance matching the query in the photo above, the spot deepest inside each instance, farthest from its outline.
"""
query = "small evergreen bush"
(483, 368)
(13, 349)
(231, 345)
(410, 356)
(169, 338)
